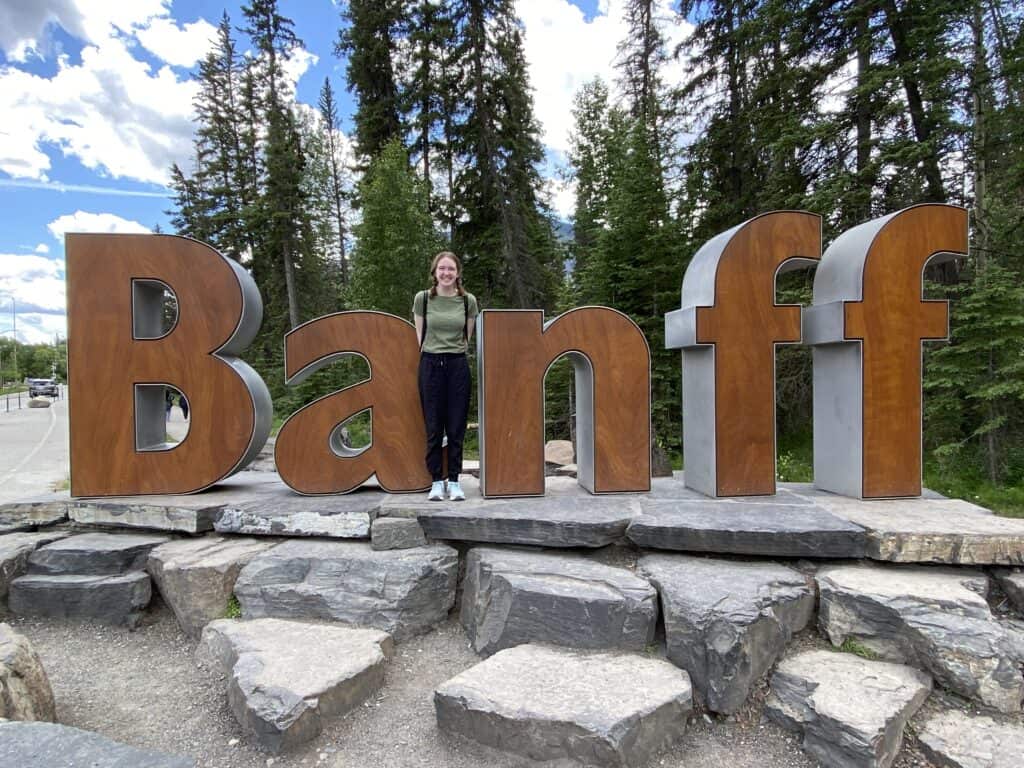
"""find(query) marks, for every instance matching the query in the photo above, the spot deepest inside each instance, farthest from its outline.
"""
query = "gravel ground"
(142, 688)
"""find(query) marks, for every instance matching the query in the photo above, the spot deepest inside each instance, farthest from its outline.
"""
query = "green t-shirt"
(445, 320)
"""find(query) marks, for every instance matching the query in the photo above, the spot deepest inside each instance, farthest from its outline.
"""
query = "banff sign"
(866, 325)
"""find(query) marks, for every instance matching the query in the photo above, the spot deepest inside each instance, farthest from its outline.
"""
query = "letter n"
(728, 328)
(120, 360)
(612, 365)
(867, 326)
(310, 454)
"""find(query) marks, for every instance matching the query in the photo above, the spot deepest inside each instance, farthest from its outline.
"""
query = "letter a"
(120, 361)
(310, 454)
(612, 364)
(728, 328)
(867, 326)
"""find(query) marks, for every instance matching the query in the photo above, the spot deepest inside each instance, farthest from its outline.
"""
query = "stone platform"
(800, 521)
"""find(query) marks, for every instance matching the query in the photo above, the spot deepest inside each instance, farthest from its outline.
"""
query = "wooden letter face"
(612, 365)
(728, 328)
(119, 361)
(868, 323)
(309, 453)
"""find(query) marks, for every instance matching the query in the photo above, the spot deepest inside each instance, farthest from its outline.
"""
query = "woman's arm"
(418, 320)
(470, 325)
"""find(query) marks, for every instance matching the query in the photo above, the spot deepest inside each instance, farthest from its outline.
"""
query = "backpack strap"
(426, 302)
(465, 317)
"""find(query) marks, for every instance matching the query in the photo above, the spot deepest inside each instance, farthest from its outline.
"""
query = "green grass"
(12, 389)
(234, 609)
(1005, 500)
(857, 649)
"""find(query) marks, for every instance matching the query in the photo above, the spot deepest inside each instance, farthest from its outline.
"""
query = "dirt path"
(143, 688)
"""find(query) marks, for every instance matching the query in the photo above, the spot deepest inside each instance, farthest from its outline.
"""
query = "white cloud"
(564, 51)
(81, 221)
(35, 282)
(41, 328)
(181, 46)
(42, 248)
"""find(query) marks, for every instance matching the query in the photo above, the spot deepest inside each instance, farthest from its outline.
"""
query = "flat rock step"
(15, 549)
(511, 597)
(935, 619)
(956, 739)
(111, 599)
(400, 591)
(547, 703)
(762, 527)
(851, 711)
(48, 745)
(287, 677)
(30, 516)
(94, 554)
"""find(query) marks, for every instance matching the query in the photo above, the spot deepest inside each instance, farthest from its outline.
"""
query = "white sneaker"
(436, 491)
(455, 492)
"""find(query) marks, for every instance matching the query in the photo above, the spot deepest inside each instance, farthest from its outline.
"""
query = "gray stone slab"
(196, 577)
(400, 591)
(15, 549)
(94, 553)
(396, 533)
(512, 597)
(547, 703)
(31, 515)
(287, 677)
(851, 711)
(282, 512)
(726, 621)
(935, 619)
(1012, 582)
(954, 739)
(143, 514)
(113, 599)
(555, 520)
(25, 692)
(48, 745)
(728, 526)
(932, 530)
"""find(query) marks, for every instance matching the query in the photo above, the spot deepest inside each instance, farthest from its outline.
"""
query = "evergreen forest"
(851, 109)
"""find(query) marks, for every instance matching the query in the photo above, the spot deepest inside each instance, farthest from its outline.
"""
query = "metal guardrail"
(18, 400)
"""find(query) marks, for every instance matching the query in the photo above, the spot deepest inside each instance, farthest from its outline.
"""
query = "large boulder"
(851, 711)
(197, 576)
(119, 599)
(48, 745)
(935, 619)
(547, 703)
(958, 740)
(143, 513)
(559, 452)
(726, 621)
(25, 692)
(1012, 582)
(396, 533)
(401, 591)
(512, 597)
(94, 554)
(287, 677)
(15, 549)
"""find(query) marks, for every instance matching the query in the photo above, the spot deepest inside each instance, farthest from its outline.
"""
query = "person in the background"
(445, 316)
(169, 401)
(183, 404)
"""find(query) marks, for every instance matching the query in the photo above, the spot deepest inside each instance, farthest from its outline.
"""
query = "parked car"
(38, 387)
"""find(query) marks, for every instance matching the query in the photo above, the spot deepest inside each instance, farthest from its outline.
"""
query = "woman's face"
(446, 272)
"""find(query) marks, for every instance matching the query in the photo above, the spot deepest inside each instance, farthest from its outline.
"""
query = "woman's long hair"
(460, 291)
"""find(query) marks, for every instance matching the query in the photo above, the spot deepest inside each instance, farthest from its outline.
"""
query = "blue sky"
(96, 97)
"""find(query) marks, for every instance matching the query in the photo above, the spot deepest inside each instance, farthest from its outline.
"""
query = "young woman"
(445, 316)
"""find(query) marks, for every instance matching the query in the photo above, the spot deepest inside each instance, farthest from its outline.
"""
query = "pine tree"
(395, 240)
(338, 194)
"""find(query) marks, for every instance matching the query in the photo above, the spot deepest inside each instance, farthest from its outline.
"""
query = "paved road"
(33, 450)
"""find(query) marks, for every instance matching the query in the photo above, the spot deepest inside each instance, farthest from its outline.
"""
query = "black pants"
(444, 396)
